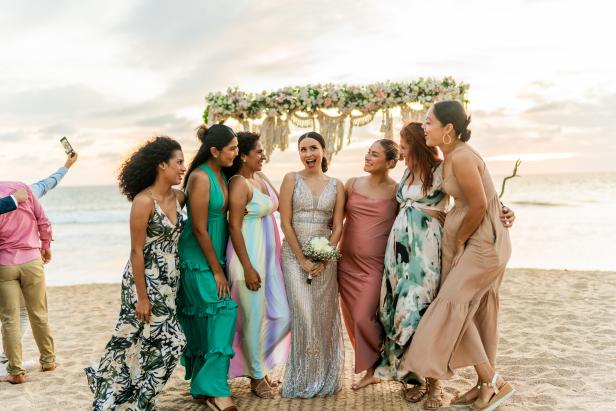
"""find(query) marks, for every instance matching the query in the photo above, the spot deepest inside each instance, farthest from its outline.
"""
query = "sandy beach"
(557, 347)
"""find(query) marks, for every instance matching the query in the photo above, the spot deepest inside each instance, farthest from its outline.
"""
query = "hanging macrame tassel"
(211, 120)
(405, 114)
(267, 134)
(350, 130)
(389, 125)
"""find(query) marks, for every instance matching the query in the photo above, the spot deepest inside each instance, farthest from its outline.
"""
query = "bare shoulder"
(463, 159)
(339, 184)
(238, 183)
(289, 178)
(392, 184)
(199, 177)
(351, 182)
(143, 202)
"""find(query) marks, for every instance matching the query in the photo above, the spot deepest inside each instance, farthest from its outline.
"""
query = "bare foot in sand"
(14, 379)
(50, 368)
(366, 380)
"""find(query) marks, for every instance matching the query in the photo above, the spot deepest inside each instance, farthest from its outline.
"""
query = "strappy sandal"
(434, 401)
(501, 394)
(272, 383)
(463, 400)
(262, 390)
(213, 406)
(415, 393)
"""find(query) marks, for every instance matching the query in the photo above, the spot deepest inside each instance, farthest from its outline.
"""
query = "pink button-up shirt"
(25, 231)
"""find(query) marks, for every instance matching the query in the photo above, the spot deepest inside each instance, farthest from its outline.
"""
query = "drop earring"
(450, 139)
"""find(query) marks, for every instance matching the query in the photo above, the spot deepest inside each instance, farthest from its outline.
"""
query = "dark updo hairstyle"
(452, 112)
(139, 171)
(316, 136)
(246, 142)
(218, 136)
(425, 159)
(391, 148)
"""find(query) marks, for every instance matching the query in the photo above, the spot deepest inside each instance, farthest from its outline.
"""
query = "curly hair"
(140, 169)
(246, 142)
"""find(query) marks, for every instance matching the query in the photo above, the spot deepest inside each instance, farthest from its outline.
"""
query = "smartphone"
(68, 149)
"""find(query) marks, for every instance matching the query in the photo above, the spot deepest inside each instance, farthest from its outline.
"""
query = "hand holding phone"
(68, 149)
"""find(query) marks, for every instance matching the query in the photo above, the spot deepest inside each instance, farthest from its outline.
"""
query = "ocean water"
(563, 222)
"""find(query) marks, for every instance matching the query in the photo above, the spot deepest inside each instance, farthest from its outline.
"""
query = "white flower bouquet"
(318, 249)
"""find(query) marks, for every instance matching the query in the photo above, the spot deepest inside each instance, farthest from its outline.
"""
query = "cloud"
(61, 102)
(598, 112)
(12, 136)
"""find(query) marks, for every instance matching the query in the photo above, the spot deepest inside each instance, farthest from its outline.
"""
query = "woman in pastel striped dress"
(262, 338)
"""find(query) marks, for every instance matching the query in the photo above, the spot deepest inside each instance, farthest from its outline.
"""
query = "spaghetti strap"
(352, 185)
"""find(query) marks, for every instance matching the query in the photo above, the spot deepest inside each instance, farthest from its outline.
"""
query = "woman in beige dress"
(459, 329)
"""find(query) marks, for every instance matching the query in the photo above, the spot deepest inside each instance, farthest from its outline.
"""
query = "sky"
(108, 75)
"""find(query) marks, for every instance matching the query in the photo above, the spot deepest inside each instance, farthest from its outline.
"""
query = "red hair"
(424, 159)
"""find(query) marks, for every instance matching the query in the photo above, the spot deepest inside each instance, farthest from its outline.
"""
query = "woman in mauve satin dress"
(370, 211)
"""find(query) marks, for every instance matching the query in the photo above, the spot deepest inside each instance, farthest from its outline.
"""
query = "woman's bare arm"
(140, 214)
(338, 214)
(466, 169)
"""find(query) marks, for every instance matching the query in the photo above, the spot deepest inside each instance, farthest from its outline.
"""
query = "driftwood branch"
(514, 174)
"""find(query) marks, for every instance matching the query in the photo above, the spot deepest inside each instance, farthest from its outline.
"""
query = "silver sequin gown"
(314, 367)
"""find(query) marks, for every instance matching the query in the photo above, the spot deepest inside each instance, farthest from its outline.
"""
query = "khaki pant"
(27, 279)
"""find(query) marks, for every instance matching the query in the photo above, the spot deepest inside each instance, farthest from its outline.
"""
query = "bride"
(309, 202)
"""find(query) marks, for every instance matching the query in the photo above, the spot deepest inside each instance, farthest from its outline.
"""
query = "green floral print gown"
(412, 269)
(140, 357)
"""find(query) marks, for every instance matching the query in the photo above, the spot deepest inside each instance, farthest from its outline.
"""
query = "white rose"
(320, 244)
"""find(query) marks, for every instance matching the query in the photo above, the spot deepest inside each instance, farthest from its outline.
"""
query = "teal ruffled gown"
(207, 321)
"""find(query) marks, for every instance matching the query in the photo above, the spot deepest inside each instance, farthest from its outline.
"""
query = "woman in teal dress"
(206, 312)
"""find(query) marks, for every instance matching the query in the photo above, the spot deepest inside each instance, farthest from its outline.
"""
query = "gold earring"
(450, 139)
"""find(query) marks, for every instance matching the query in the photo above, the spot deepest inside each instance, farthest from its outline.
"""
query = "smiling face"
(228, 153)
(174, 169)
(311, 153)
(435, 131)
(375, 160)
(255, 158)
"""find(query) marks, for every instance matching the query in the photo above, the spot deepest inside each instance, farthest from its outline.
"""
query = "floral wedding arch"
(335, 109)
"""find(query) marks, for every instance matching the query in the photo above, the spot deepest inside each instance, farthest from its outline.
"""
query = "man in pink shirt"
(25, 239)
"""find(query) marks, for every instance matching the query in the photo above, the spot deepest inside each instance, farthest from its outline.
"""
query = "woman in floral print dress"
(412, 257)
(147, 341)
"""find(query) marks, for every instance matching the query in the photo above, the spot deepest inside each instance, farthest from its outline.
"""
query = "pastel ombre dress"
(262, 338)
(360, 271)
(208, 322)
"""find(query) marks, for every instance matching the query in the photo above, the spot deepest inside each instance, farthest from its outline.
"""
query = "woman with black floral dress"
(147, 340)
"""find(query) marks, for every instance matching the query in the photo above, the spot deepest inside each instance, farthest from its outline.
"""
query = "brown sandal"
(211, 403)
(415, 393)
(262, 389)
(434, 401)
(272, 383)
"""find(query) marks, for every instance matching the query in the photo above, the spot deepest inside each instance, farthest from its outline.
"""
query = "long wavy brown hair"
(424, 159)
